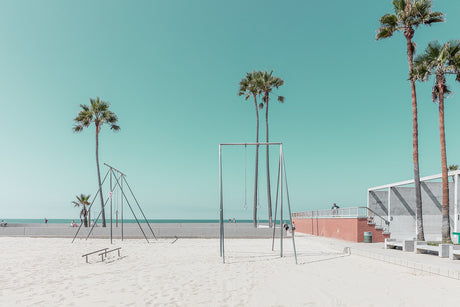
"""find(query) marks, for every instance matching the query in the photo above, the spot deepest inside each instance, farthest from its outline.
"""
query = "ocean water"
(67, 221)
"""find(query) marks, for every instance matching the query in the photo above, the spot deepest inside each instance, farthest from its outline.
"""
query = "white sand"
(51, 272)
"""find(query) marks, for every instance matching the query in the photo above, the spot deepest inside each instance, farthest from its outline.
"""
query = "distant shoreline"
(126, 221)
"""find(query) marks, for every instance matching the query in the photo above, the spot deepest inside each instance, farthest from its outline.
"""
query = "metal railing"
(351, 212)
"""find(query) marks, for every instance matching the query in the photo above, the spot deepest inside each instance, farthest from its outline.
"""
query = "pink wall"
(350, 229)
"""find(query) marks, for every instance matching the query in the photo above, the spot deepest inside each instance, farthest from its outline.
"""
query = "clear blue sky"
(170, 70)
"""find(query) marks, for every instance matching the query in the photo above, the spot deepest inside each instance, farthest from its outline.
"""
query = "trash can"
(367, 237)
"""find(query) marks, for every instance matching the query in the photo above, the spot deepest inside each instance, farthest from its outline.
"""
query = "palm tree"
(248, 88)
(440, 61)
(268, 82)
(98, 113)
(408, 15)
(83, 201)
(453, 167)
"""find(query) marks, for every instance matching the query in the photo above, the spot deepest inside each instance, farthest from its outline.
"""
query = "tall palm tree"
(440, 61)
(249, 88)
(268, 82)
(98, 113)
(83, 201)
(408, 15)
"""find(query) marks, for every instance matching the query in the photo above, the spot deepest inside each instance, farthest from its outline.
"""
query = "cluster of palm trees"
(98, 113)
(436, 60)
(260, 85)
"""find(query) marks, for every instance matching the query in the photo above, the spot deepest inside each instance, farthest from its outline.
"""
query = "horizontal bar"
(114, 169)
(427, 178)
(230, 144)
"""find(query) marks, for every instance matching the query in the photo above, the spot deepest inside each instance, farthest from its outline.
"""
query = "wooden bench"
(86, 255)
(406, 245)
(442, 249)
(109, 251)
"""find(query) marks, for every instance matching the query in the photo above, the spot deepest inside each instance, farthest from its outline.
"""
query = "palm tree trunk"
(418, 194)
(257, 165)
(445, 180)
(268, 167)
(85, 217)
(99, 176)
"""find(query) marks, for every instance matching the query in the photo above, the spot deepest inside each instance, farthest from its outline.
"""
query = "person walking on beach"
(46, 221)
(293, 228)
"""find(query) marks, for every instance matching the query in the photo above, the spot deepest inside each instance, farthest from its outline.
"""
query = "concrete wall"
(161, 230)
(350, 229)
(402, 209)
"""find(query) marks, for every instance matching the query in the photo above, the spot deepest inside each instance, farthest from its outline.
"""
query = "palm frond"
(399, 6)
(115, 127)
(77, 128)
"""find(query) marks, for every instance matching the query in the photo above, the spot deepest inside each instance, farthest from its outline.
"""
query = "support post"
(137, 203)
(276, 204)
(456, 202)
(89, 208)
(281, 204)
(389, 204)
(221, 215)
(111, 197)
(289, 208)
(132, 211)
(122, 177)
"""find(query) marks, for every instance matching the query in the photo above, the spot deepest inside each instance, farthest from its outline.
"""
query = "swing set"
(281, 182)
(117, 180)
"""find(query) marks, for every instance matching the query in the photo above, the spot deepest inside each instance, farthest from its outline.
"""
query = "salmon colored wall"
(350, 229)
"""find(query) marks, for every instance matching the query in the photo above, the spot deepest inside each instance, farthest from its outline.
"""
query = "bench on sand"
(422, 247)
(406, 245)
(99, 250)
(104, 253)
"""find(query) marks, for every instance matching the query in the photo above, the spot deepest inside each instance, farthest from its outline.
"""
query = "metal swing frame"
(282, 178)
(119, 179)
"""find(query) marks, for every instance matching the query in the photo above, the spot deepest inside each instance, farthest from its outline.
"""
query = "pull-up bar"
(281, 178)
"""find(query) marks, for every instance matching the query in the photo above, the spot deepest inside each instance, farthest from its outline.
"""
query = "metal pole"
(456, 202)
(111, 197)
(132, 211)
(289, 207)
(281, 204)
(122, 208)
(97, 219)
(389, 207)
(221, 219)
(139, 206)
(276, 205)
(89, 208)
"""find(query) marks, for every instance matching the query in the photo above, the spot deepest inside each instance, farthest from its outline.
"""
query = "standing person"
(293, 227)
(334, 209)
(46, 220)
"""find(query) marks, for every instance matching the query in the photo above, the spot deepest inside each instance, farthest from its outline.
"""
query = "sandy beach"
(51, 271)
